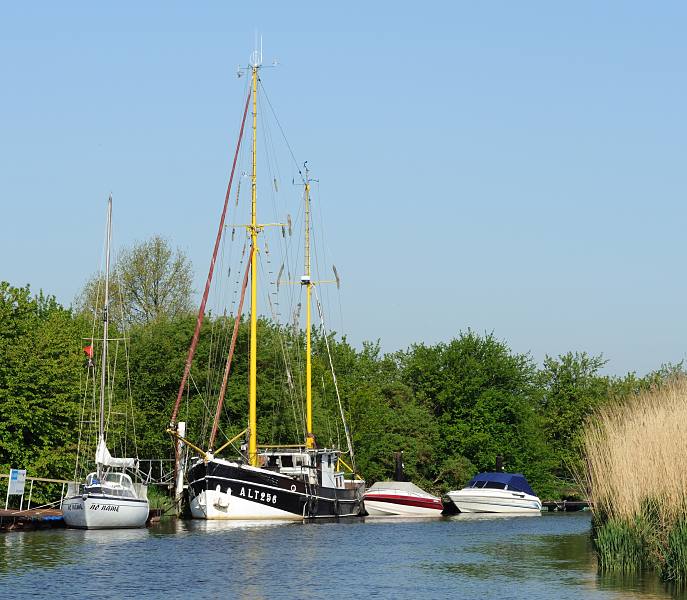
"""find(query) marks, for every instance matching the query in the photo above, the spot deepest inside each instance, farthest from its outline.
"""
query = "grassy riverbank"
(635, 454)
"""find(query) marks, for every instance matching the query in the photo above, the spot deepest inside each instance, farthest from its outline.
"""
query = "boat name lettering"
(74, 507)
(253, 494)
(105, 507)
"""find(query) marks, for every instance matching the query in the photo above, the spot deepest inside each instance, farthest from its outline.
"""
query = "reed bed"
(636, 476)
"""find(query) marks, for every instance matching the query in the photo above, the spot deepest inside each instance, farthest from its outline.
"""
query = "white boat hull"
(480, 500)
(211, 504)
(104, 513)
(390, 509)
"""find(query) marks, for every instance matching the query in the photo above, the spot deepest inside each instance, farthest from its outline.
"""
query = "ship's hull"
(397, 505)
(104, 512)
(375, 508)
(222, 489)
(472, 500)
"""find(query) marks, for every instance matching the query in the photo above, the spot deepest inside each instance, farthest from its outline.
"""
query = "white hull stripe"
(271, 487)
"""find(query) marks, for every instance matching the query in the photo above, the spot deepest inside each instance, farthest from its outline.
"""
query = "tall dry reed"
(636, 458)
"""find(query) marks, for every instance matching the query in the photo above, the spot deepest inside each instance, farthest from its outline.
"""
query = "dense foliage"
(450, 407)
(149, 280)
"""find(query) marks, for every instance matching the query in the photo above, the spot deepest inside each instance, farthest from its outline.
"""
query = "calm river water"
(547, 557)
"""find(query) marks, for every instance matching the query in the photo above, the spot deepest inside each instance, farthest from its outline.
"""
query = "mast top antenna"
(256, 55)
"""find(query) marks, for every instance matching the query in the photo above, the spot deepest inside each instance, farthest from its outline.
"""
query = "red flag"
(89, 351)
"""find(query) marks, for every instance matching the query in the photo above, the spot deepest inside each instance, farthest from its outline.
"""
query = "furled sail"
(103, 457)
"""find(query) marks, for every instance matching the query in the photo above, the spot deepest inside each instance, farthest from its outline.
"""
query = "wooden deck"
(565, 505)
(13, 519)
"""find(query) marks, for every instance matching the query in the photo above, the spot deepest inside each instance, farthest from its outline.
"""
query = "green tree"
(572, 387)
(385, 417)
(484, 398)
(149, 281)
(40, 362)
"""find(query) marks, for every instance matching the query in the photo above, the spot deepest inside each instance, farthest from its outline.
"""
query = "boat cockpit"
(112, 484)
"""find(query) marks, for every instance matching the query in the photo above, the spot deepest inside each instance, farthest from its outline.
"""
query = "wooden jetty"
(25, 520)
(565, 505)
(47, 518)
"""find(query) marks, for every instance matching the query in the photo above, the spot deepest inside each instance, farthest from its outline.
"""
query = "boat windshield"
(119, 480)
(495, 485)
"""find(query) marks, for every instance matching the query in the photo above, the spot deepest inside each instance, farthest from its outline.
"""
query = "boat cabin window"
(495, 485)
(119, 479)
(287, 460)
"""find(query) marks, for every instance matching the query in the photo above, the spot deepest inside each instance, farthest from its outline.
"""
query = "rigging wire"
(336, 384)
(295, 162)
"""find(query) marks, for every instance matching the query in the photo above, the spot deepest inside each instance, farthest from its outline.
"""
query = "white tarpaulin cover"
(103, 457)
(398, 486)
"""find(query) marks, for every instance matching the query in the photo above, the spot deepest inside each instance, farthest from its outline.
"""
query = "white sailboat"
(108, 499)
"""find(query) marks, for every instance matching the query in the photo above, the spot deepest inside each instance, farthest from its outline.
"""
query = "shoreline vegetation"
(635, 452)
(452, 407)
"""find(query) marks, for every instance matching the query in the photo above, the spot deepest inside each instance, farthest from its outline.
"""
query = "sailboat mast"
(309, 437)
(252, 382)
(106, 308)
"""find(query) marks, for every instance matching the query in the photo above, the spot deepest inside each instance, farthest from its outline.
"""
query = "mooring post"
(178, 467)
(62, 497)
(7, 498)
(28, 506)
(399, 475)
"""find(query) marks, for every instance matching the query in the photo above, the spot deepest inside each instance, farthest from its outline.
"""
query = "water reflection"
(495, 516)
(641, 585)
(464, 557)
(536, 561)
(53, 548)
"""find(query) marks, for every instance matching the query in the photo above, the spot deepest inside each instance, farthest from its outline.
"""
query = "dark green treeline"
(451, 407)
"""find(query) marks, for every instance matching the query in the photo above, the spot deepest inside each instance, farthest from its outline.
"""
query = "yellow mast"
(252, 381)
(306, 280)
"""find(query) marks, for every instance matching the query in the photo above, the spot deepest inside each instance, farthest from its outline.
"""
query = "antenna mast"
(306, 280)
(256, 61)
(103, 366)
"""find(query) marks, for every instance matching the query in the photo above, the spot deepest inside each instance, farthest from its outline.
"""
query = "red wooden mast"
(201, 310)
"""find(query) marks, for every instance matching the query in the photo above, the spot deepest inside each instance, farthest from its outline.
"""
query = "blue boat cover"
(514, 481)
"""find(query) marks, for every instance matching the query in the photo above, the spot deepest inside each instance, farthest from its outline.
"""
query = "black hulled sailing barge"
(287, 482)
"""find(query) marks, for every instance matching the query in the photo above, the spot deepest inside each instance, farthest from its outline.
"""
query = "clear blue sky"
(515, 167)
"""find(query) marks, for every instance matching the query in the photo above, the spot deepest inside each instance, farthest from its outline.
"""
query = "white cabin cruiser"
(496, 493)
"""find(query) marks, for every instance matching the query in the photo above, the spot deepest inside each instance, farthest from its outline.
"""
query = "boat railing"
(35, 487)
